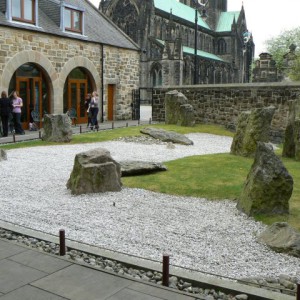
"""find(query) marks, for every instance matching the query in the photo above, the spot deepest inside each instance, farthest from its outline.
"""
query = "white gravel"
(204, 235)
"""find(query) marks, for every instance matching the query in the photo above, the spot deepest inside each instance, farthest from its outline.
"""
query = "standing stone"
(253, 127)
(268, 186)
(3, 155)
(177, 110)
(95, 171)
(291, 145)
(238, 139)
(57, 128)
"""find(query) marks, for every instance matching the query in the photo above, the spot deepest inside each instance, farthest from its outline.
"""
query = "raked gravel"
(210, 236)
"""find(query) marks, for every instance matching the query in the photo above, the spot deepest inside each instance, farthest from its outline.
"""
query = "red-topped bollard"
(166, 270)
(62, 242)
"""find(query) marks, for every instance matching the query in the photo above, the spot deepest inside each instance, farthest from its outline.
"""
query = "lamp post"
(198, 4)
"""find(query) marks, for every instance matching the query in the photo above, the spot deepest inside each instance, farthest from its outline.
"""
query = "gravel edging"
(189, 286)
(209, 236)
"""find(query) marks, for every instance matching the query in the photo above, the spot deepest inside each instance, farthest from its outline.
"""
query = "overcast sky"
(265, 18)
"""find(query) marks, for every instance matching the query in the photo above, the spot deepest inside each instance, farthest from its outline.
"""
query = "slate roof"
(200, 53)
(226, 20)
(179, 10)
(97, 27)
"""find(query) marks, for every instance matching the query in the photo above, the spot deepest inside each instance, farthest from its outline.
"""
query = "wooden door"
(110, 102)
(77, 90)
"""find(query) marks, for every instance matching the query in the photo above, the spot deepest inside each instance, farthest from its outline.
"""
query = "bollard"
(298, 291)
(150, 121)
(127, 124)
(112, 125)
(62, 242)
(40, 135)
(166, 268)
(138, 121)
(14, 138)
(80, 129)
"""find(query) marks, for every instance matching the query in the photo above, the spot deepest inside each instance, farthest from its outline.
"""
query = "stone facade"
(121, 69)
(222, 104)
(165, 31)
(53, 69)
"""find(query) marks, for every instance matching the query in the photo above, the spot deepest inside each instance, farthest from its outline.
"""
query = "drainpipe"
(102, 82)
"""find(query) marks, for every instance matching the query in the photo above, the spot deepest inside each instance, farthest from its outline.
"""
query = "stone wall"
(121, 68)
(58, 56)
(221, 104)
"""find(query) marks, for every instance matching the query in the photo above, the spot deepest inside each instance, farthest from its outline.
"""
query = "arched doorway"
(30, 82)
(77, 86)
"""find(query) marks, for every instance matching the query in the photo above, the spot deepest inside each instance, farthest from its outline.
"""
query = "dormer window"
(73, 20)
(23, 11)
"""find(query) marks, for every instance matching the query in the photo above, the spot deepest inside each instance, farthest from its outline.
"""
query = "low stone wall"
(221, 104)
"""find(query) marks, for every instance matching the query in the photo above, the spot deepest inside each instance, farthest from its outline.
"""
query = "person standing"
(5, 111)
(17, 104)
(87, 103)
(94, 109)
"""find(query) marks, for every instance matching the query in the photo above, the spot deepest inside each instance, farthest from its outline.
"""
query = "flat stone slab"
(167, 136)
(40, 261)
(132, 168)
(28, 292)
(78, 283)
(14, 275)
(281, 238)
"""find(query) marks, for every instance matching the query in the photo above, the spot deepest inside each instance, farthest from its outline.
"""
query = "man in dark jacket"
(5, 111)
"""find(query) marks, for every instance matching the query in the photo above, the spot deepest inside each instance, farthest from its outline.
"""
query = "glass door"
(23, 87)
(77, 90)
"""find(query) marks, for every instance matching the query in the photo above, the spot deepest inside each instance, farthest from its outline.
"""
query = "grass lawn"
(216, 176)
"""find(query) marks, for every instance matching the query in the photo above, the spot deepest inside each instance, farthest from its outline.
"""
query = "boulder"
(3, 155)
(281, 238)
(268, 186)
(252, 127)
(95, 171)
(57, 128)
(132, 168)
(177, 110)
(167, 136)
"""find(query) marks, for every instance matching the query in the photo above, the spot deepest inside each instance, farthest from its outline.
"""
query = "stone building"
(265, 69)
(166, 31)
(54, 52)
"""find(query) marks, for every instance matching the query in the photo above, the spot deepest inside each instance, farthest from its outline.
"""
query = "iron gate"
(141, 96)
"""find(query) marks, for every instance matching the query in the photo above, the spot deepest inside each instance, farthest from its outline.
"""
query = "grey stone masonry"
(221, 104)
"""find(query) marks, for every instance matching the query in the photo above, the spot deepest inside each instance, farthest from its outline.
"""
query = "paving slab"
(30, 293)
(159, 292)
(128, 294)
(78, 282)
(9, 249)
(14, 275)
(40, 261)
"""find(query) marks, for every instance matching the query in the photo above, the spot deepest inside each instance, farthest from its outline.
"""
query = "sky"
(265, 18)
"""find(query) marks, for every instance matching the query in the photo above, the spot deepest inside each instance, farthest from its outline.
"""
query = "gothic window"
(24, 11)
(73, 20)
(125, 15)
(156, 75)
(163, 31)
(222, 47)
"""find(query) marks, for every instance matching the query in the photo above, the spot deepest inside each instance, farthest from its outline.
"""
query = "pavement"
(29, 274)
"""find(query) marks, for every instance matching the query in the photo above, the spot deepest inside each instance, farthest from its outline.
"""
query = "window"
(23, 10)
(73, 20)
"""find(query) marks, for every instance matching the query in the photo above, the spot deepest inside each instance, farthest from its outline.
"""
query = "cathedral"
(185, 42)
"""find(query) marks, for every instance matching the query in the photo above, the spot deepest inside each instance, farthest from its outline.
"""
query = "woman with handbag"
(94, 109)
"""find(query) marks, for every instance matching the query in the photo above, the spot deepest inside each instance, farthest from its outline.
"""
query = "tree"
(294, 74)
(279, 45)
